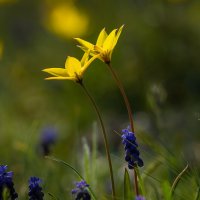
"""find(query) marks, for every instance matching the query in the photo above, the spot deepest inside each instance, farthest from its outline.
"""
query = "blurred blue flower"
(7, 182)
(35, 190)
(81, 192)
(48, 138)
(139, 197)
(131, 148)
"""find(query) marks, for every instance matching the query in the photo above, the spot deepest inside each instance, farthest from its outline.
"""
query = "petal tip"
(44, 70)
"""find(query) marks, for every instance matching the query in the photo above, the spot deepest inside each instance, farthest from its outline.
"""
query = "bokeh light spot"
(67, 21)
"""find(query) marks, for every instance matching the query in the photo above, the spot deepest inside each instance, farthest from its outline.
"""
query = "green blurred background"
(157, 58)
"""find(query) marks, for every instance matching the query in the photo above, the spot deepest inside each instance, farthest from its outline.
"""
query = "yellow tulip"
(104, 45)
(74, 69)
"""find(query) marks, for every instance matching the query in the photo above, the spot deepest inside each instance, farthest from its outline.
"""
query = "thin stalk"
(136, 181)
(128, 107)
(121, 88)
(104, 137)
(74, 170)
(141, 183)
(177, 179)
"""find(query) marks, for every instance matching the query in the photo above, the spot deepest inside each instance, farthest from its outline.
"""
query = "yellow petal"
(98, 49)
(87, 64)
(73, 66)
(56, 72)
(102, 36)
(118, 33)
(108, 44)
(85, 58)
(84, 44)
(61, 78)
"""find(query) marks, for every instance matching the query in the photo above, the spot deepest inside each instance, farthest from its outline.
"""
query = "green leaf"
(93, 173)
(166, 190)
(151, 168)
(6, 193)
(197, 196)
(86, 161)
(128, 193)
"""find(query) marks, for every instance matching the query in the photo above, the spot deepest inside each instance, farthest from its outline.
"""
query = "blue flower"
(35, 190)
(81, 192)
(48, 138)
(131, 148)
(7, 182)
(139, 197)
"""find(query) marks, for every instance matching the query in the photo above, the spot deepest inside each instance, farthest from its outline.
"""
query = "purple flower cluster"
(139, 197)
(48, 138)
(81, 192)
(131, 148)
(7, 182)
(35, 190)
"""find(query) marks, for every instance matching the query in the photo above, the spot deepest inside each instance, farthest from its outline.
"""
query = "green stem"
(104, 137)
(128, 107)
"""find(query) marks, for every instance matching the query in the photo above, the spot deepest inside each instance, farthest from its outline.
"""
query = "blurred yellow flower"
(20, 146)
(67, 21)
(74, 69)
(104, 45)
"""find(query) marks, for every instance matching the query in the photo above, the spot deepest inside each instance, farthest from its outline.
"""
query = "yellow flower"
(66, 20)
(74, 69)
(104, 45)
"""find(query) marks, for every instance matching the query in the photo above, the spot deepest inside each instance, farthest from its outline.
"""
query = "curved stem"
(177, 179)
(74, 170)
(104, 137)
(128, 107)
(121, 88)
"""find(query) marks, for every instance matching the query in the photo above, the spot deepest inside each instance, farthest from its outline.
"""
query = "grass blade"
(128, 194)
(52, 196)
(177, 179)
(166, 190)
(73, 169)
(197, 196)
(86, 161)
